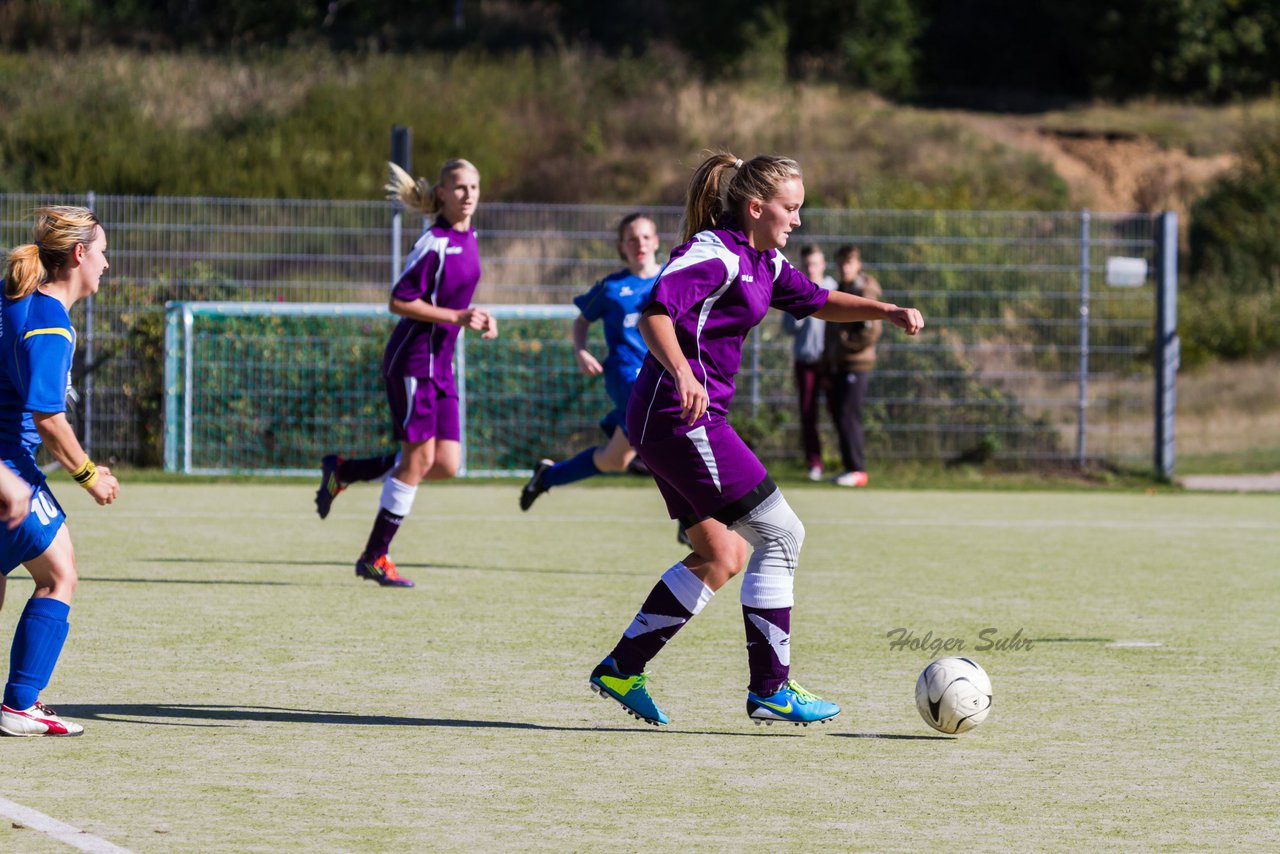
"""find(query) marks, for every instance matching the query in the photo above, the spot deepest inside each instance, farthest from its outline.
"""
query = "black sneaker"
(534, 487)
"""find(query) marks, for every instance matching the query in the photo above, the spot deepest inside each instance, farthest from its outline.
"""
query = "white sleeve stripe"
(707, 247)
(427, 243)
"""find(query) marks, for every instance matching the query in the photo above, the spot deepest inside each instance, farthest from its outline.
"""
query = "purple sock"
(368, 468)
(768, 648)
(384, 530)
(577, 468)
(660, 617)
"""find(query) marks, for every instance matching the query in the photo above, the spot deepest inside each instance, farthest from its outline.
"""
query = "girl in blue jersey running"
(617, 300)
(42, 281)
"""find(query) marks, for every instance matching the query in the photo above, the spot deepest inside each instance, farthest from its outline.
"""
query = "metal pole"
(86, 427)
(1082, 402)
(402, 156)
(1168, 347)
(188, 380)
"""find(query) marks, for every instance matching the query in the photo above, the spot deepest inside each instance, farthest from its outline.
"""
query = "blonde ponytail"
(417, 194)
(703, 203)
(59, 229)
(761, 178)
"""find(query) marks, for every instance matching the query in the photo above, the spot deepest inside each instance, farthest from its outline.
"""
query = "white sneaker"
(851, 478)
(37, 720)
(815, 473)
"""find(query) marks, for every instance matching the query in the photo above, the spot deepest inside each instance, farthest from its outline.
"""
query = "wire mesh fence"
(1029, 353)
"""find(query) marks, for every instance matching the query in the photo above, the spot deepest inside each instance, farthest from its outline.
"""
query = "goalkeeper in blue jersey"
(617, 301)
(42, 281)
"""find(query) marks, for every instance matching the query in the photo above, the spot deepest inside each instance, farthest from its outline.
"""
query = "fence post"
(1082, 403)
(402, 156)
(1168, 347)
(86, 428)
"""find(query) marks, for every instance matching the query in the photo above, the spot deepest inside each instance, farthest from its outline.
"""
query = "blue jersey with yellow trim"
(618, 299)
(36, 346)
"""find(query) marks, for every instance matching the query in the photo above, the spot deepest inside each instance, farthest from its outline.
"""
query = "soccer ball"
(953, 695)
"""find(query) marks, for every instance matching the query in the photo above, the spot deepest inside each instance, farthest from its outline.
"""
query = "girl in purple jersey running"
(432, 297)
(719, 284)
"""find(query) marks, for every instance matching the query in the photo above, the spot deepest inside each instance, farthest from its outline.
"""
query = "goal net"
(269, 388)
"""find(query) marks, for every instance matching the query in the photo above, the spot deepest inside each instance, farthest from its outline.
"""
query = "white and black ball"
(953, 695)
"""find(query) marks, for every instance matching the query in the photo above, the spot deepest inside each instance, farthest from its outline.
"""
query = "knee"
(62, 581)
(731, 558)
(442, 469)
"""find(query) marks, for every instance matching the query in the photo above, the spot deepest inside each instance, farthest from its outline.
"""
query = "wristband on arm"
(87, 474)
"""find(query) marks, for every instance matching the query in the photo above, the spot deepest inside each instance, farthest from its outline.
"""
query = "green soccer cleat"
(791, 703)
(629, 691)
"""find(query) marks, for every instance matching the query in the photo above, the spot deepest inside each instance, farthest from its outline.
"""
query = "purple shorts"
(420, 411)
(704, 472)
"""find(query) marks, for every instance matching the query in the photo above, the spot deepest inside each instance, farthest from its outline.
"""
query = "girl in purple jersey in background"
(719, 284)
(433, 300)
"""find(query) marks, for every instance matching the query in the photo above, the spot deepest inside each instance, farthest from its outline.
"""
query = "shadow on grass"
(539, 570)
(189, 716)
(894, 737)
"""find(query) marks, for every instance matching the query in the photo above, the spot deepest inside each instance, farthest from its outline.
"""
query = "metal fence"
(1033, 351)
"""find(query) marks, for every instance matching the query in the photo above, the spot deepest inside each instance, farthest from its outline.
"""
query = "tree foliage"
(958, 49)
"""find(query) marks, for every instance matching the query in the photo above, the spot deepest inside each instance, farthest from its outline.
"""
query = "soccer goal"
(269, 388)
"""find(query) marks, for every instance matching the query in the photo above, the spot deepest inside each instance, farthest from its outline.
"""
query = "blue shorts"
(619, 391)
(420, 411)
(30, 539)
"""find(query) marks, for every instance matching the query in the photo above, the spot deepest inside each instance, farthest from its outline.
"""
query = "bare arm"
(587, 363)
(56, 433)
(420, 310)
(845, 308)
(659, 334)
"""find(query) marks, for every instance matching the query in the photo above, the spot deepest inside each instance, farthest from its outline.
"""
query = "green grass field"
(242, 691)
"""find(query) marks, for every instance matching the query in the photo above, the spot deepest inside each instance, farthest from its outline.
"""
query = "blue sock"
(580, 467)
(37, 643)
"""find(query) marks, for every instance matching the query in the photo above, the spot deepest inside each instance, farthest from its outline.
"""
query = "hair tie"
(39, 246)
(737, 164)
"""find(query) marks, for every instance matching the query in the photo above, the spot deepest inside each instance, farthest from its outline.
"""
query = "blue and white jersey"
(618, 300)
(36, 346)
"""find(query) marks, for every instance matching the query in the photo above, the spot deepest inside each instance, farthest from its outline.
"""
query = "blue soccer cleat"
(629, 691)
(791, 703)
(330, 486)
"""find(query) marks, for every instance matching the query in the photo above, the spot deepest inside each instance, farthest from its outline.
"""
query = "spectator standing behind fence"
(850, 359)
(810, 369)
(432, 298)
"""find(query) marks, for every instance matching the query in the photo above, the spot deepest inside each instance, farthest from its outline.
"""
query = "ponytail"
(703, 204)
(59, 229)
(417, 194)
(758, 178)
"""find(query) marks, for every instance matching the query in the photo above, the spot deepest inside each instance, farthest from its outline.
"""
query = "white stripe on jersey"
(703, 444)
(778, 261)
(410, 390)
(428, 242)
(707, 247)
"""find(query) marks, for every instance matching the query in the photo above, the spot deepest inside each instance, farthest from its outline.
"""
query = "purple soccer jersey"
(715, 288)
(443, 269)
